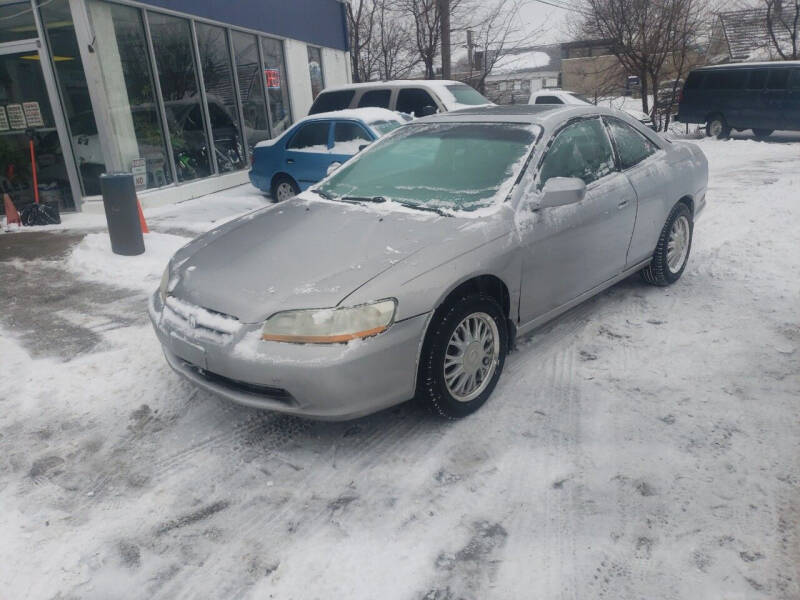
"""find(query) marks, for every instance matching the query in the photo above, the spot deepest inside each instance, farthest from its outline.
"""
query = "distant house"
(515, 75)
(743, 35)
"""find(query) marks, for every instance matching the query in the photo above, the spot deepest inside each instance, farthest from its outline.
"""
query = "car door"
(775, 96)
(569, 250)
(642, 162)
(793, 102)
(307, 155)
(348, 138)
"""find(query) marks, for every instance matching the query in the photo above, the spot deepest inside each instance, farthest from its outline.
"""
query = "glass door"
(32, 162)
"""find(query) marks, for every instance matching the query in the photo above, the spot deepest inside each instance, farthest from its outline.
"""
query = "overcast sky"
(537, 15)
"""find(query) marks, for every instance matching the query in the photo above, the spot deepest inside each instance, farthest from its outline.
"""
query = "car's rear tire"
(283, 188)
(462, 356)
(672, 251)
(717, 127)
(762, 134)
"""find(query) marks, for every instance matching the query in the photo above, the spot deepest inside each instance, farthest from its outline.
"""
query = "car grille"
(196, 320)
(273, 393)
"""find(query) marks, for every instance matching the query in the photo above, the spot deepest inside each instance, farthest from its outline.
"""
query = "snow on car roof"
(369, 114)
(392, 83)
(746, 65)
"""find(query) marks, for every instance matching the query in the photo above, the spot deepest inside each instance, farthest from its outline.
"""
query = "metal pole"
(444, 15)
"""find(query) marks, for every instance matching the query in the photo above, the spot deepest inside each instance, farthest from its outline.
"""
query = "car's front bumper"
(335, 382)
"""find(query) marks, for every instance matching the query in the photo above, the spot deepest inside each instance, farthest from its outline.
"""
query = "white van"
(419, 98)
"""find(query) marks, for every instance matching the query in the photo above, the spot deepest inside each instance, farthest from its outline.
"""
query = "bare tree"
(646, 35)
(394, 49)
(497, 33)
(783, 26)
(425, 18)
(361, 26)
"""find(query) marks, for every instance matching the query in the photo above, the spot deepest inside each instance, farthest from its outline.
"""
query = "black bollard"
(122, 213)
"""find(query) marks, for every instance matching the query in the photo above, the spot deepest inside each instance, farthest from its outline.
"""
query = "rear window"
(778, 79)
(378, 98)
(794, 82)
(694, 80)
(757, 80)
(330, 101)
(466, 95)
(726, 80)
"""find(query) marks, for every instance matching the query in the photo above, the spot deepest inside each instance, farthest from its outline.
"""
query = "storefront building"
(178, 92)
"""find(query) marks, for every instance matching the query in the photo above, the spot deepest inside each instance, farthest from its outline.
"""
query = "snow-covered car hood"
(637, 114)
(299, 254)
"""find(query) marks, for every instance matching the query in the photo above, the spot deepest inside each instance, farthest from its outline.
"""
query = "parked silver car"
(410, 270)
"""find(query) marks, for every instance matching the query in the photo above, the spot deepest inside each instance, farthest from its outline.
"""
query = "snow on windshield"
(452, 166)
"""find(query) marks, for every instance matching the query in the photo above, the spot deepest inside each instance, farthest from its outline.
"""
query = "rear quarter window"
(377, 98)
(330, 101)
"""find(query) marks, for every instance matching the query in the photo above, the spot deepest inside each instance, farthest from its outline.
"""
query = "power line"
(563, 5)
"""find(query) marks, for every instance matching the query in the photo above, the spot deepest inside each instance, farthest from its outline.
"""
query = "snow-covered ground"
(645, 445)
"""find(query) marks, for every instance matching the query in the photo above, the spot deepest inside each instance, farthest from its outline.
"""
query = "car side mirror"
(428, 110)
(332, 167)
(561, 191)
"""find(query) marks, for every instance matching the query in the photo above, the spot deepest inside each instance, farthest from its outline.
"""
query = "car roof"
(367, 114)
(749, 65)
(394, 83)
(540, 114)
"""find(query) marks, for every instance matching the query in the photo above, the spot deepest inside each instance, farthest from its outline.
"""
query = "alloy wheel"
(472, 356)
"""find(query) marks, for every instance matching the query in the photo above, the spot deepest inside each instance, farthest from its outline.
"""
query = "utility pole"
(444, 17)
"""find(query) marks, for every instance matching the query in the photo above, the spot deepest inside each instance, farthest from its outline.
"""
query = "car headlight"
(162, 288)
(330, 325)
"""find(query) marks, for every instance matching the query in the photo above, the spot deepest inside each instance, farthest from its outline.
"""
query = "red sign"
(273, 77)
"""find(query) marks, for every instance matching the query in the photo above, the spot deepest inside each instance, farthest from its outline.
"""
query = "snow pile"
(93, 260)
(523, 61)
(644, 445)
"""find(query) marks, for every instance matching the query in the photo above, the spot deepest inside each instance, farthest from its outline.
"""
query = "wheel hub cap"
(471, 356)
(285, 191)
(678, 245)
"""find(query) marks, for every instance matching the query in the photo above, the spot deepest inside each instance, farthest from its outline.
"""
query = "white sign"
(139, 170)
(33, 114)
(3, 119)
(16, 116)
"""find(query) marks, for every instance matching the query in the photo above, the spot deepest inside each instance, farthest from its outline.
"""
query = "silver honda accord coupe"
(409, 271)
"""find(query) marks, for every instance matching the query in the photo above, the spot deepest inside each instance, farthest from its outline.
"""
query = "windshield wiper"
(323, 194)
(438, 211)
(374, 199)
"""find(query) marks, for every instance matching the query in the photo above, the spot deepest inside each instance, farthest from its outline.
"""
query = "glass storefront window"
(121, 48)
(174, 53)
(57, 21)
(248, 72)
(315, 70)
(276, 84)
(16, 22)
(215, 61)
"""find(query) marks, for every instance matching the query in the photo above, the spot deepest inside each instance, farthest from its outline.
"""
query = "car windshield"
(384, 127)
(450, 166)
(466, 95)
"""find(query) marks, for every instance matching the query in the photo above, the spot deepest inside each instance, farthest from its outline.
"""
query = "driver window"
(311, 137)
(413, 101)
(580, 150)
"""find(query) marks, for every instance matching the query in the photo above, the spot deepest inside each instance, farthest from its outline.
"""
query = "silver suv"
(420, 98)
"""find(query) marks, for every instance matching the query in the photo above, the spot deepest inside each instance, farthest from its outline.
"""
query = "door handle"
(622, 204)
(290, 161)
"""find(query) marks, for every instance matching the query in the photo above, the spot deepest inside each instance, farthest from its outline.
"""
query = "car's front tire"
(717, 127)
(462, 356)
(672, 251)
(283, 188)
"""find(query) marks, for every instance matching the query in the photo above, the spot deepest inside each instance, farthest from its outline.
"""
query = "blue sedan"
(303, 154)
